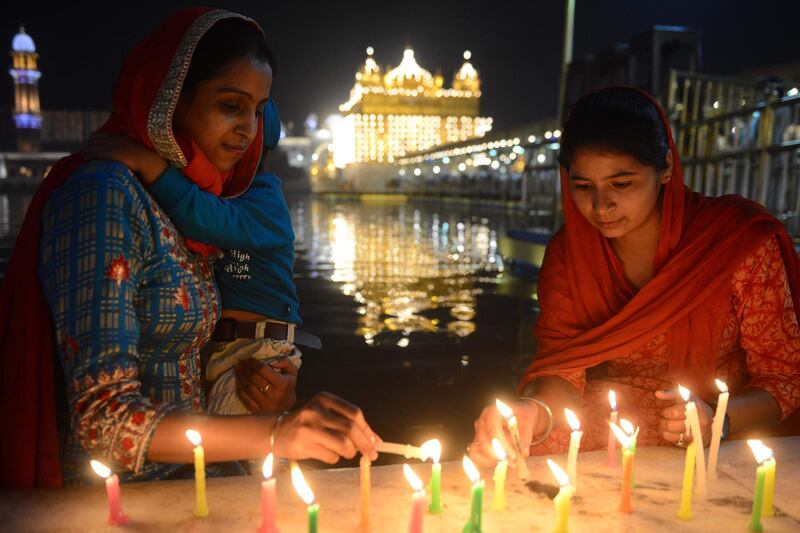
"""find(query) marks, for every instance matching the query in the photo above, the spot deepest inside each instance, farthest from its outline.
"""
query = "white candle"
(693, 423)
(406, 450)
(613, 458)
(511, 421)
(574, 446)
(716, 428)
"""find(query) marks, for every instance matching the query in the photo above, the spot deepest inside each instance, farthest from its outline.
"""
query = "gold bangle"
(549, 419)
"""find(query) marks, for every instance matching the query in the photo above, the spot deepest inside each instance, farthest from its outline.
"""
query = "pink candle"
(613, 456)
(115, 515)
(268, 500)
(417, 501)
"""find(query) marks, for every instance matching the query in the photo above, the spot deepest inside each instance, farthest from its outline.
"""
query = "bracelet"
(549, 419)
(278, 420)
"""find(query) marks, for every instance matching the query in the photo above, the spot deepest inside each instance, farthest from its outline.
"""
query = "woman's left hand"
(673, 418)
(266, 386)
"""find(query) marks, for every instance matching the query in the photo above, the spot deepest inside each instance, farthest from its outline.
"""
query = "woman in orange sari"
(648, 285)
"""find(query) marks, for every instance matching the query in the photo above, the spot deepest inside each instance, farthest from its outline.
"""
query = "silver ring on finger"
(681, 443)
(265, 388)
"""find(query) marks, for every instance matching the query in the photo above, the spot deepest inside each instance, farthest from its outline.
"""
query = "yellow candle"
(365, 465)
(716, 428)
(685, 511)
(574, 446)
(693, 423)
(511, 422)
(767, 509)
(562, 499)
(201, 506)
(499, 501)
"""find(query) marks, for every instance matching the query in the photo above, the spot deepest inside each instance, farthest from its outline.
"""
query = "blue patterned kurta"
(131, 310)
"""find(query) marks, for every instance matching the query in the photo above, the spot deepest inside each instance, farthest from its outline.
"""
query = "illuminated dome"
(408, 73)
(22, 42)
(370, 73)
(466, 78)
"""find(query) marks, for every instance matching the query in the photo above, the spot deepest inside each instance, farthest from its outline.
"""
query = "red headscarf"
(590, 313)
(144, 100)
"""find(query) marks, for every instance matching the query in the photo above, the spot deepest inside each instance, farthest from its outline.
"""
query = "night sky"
(516, 45)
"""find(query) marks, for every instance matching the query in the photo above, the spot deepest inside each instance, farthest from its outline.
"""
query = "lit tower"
(27, 113)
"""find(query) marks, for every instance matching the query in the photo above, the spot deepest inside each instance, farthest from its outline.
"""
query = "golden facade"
(406, 110)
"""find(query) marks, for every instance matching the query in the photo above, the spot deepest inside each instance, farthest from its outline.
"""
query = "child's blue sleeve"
(256, 219)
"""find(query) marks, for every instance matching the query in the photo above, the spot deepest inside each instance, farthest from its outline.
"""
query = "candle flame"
(685, 394)
(505, 411)
(300, 485)
(761, 452)
(267, 468)
(413, 478)
(498, 450)
(431, 449)
(721, 385)
(101, 469)
(626, 425)
(469, 468)
(624, 439)
(558, 472)
(572, 420)
(194, 437)
(612, 399)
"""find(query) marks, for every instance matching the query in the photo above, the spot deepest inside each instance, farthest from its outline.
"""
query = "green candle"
(476, 510)
(762, 455)
(307, 495)
(313, 516)
(436, 489)
(432, 449)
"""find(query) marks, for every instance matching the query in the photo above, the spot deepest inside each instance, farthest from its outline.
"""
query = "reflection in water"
(400, 264)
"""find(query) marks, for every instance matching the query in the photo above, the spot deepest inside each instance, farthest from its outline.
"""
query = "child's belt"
(229, 329)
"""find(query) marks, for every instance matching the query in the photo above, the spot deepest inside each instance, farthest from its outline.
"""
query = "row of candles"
(620, 430)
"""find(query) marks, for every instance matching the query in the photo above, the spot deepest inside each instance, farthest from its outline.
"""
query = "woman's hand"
(673, 418)
(490, 424)
(326, 428)
(266, 386)
(142, 161)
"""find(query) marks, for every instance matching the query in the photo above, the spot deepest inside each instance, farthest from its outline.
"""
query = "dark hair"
(225, 41)
(616, 120)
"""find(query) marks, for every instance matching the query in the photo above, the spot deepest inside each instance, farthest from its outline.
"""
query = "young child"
(259, 300)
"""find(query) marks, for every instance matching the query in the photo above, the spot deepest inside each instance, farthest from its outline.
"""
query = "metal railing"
(736, 138)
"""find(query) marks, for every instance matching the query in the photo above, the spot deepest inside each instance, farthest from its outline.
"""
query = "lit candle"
(305, 493)
(762, 455)
(417, 500)
(365, 465)
(201, 506)
(574, 446)
(432, 450)
(693, 424)
(269, 503)
(627, 439)
(499, 499)
(513, 428)
(767, 508)
(406, 450)
(612, 459)
(562, 499)
(685, 510)
(476, 511)
(115, 515)
(716, 428)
